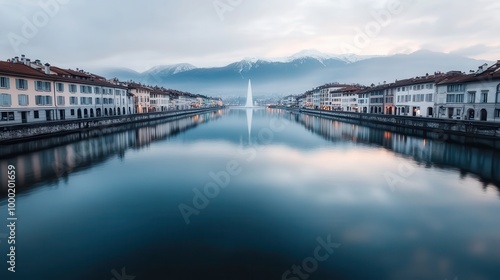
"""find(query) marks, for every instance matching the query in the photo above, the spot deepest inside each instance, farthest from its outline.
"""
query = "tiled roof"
(19, 69)
(491, 73)
(63, 75)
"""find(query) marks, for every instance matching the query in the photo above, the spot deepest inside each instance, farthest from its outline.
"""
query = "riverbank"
(457, 131)
(27, 132)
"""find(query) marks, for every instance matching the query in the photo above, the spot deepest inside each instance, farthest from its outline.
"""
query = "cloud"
(132, 34)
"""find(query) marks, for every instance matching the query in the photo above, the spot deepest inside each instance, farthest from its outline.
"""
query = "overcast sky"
(142, 34)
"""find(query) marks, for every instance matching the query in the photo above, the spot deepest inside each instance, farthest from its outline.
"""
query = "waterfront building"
(474, 96)
(290, 101)
(316, 99)
(184, 101)
(301, 100)
(349, 99)
(142, 95)
(377, 96)
(416, 96)
(363, 100)
(36, 92)
(159, 99)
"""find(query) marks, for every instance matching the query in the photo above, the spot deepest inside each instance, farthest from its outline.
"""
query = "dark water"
(293, 197)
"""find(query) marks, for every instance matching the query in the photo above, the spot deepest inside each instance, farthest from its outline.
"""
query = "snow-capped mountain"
(296, 73)
(313, 54)
(167, 70)
(320, 56)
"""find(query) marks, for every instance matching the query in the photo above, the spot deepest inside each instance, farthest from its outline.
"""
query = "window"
(5, 100)
(459, 111)
(86, 100)
(60, 100)
(428, 97)
(85, 89)
(498, 94)
(484, 96)
(97, 101)
(97, 90)
(73, 100)
(455, 98)
(4, 82)
(23, 99)
(7, 116)
(72, 112)
(42, 86)
(36, 115)
(497, 113)
(60, 87)
(43, 100)
(471, 97)
(456, 88)
(21, 84)
(72, 88)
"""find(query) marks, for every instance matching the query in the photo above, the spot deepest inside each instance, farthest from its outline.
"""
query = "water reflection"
(304, 184)
(40, 164)
(481, 162)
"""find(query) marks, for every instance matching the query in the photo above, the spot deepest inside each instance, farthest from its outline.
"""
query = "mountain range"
(295, 74)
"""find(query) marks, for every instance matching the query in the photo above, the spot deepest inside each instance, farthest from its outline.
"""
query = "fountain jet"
(249, 103)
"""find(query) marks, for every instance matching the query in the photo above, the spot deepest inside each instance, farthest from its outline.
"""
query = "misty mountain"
(298, 73)
(164, 71)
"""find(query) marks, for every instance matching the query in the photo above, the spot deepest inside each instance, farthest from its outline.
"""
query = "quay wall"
(459, 127)
(25, 132)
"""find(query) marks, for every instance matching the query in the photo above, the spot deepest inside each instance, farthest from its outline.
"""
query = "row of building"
(453, 95)
(34, 92)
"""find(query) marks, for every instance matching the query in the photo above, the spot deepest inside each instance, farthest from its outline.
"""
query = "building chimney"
(28, 62)
(47, 68)
(23, 58)
(16, 59)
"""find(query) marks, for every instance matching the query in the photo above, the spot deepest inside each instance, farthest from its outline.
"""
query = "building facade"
(33, 92)
(474, 96)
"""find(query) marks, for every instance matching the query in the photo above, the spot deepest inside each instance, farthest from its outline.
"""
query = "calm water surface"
(252, 194)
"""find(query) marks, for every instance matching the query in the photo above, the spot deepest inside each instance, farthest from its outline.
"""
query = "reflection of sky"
(432, 225)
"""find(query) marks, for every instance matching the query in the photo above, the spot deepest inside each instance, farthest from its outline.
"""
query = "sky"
(209, 33)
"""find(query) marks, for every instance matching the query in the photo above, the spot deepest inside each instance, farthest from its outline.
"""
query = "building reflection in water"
(480, 162)
(47, 161)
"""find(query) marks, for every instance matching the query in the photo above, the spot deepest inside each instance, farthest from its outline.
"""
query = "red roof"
(19, 69)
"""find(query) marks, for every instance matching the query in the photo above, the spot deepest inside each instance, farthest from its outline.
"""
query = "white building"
(416, 96)
(349, 99)
(36, 92)
(471, 97)
(290, 101)
(159, 100)
(364, 100)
